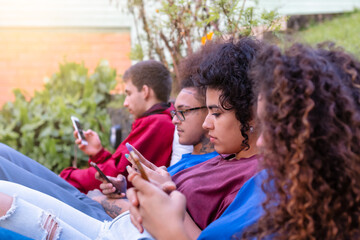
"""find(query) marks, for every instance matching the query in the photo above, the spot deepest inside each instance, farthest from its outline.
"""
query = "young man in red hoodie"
(147, 89)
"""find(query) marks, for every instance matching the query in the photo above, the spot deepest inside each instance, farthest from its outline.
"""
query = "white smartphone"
(79, 129)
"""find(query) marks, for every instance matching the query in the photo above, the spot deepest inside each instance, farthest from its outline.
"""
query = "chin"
(218, 149)
(221, 150)
(182, 142)
(135, 115)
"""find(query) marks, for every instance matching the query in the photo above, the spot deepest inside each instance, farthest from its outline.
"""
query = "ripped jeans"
(40, 216)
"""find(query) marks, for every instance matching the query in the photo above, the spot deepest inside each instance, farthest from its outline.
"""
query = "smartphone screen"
(100, 172)
(80, 129)
(135, 157)
(136, 160)
(104, 176)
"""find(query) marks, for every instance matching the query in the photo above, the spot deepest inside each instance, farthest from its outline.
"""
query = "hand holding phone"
(136, 160)
(78, 127)
(118, 190)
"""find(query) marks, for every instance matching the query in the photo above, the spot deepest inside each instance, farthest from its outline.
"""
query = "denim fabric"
(18, 168)
(122, 228)
(30, 208)
(28, 220)
(73, 217)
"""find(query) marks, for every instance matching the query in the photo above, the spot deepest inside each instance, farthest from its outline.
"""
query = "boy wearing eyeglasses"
(188, 116)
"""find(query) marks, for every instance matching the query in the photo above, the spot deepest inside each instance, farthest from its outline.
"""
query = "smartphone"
(104, 176)
(136, 159)
(78, 127)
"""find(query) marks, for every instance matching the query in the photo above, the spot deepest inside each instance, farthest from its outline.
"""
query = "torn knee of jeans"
(11, 210)
(51, 226)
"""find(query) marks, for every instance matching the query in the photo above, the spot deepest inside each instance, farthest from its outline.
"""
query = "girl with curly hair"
(230, 125)
(308, 106)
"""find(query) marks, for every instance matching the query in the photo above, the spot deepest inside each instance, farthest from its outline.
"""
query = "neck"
(203, 147)
(246, 153)
(151, 103)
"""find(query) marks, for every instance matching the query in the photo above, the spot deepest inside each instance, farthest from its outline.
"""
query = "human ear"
(145, 91)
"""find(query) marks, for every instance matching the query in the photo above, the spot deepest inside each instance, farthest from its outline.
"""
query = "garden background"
(66, 58)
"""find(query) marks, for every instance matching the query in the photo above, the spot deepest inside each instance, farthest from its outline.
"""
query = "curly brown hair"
(311, 129)
(189, 68)
(347, 67)
(226, 70)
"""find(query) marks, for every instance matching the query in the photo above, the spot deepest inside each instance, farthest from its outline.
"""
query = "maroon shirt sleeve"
(151, 135)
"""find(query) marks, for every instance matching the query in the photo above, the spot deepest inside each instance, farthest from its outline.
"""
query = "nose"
(126, 102)
(260, 141)
(208, 124)
(175, 120)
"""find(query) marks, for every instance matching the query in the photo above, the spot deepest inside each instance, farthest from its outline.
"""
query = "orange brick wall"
(28, 56)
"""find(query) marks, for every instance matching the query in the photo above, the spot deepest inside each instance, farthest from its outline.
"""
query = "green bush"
(343, 30)
(41, 128)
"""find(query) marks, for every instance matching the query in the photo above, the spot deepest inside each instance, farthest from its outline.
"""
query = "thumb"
(120, 177)
(98, 177)
(168, 186)
(163, 168)
(88, 132)
(142, 159)
(179, 199)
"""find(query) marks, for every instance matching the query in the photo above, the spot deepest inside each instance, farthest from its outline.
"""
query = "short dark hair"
(226, 70)
(189, 75)
(153, 74)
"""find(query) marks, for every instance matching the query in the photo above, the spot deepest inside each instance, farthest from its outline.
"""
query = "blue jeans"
(36, 215)
(18, 168)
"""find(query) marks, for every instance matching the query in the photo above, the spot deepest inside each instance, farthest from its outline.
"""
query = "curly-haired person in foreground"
(310, 138)
(308, 110)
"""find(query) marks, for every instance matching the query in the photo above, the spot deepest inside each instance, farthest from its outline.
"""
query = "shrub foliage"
(41, 128)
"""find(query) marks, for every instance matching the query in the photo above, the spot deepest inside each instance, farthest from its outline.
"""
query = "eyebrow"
(182, 106)
(212, 106)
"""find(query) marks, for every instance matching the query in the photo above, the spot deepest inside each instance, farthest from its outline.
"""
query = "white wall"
(106, 13)
(300, 7)
(64, 13)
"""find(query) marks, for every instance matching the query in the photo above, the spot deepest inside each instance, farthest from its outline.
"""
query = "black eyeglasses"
(180, 114)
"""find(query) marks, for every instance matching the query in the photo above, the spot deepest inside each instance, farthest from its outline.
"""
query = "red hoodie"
(151, 134)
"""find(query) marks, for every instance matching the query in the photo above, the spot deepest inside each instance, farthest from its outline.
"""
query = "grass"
(343, 30)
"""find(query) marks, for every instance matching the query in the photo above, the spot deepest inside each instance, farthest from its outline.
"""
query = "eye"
(216, 114)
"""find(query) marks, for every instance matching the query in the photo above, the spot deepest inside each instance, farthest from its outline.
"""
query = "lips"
(180, 130)
(212, 139)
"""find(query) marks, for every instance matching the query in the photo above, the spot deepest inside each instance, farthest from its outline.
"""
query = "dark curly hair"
(347, 66)
(226, 70)
(311, 130)
(189, 75)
